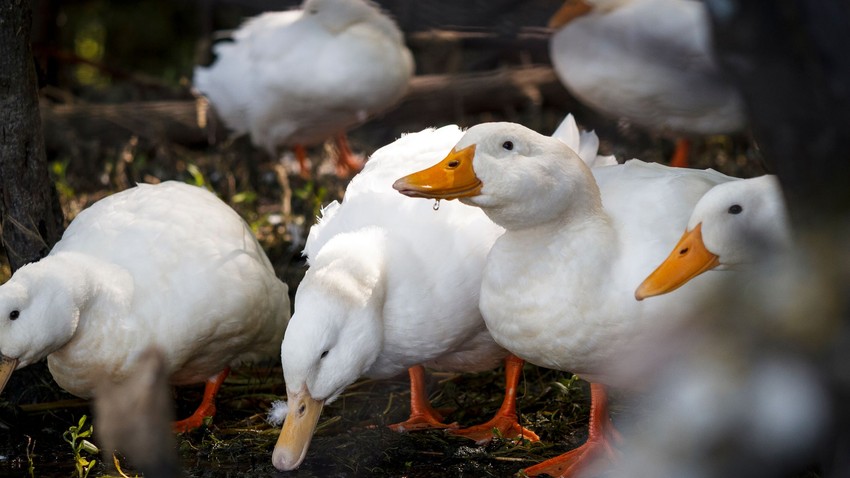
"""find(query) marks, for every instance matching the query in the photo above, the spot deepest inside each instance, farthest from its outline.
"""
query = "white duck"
(649, 61)
(392, 285)
(296, 78)
(734, 224)
(167, 265)
(380, 298)
(558, 287)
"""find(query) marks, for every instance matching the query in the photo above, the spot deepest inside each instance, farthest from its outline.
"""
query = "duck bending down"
(558, 285)
(379, 297)
(392, 285)
(169, 266)
(648, 61)
(733, 224)
(296, 78)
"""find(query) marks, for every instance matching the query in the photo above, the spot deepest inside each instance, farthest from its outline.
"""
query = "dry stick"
(47, 406)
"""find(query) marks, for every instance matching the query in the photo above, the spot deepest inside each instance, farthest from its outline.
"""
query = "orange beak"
(451, 178)
(689, 259)
(571, 10)
(7, 366)
(297, 431)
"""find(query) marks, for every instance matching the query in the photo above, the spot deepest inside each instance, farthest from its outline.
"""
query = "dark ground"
(352, 438)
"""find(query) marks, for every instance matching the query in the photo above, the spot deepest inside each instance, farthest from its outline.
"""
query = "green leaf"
(90, 447)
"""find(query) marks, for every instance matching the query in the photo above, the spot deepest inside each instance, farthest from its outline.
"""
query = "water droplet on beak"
(436, 204)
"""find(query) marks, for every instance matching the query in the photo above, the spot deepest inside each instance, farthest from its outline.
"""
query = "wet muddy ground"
(352, 438)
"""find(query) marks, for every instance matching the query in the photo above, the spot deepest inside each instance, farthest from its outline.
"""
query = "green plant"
(30, 456)
(198, 178)
(76, 437)
(59, 172)
(313, 195)
(245, 197)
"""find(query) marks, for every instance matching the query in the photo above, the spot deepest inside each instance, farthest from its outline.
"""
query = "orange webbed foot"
(422, 421)
(500, 425)
(596, 454)
(505, 422)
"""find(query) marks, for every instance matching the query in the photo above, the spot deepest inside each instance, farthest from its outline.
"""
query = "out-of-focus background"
(116, 81)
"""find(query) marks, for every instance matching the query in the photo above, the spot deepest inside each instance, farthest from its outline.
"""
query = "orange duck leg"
(347, 164)
(301, 157)
(505, 420)
(599, 446)
(207, 406)
(681, 154)
(422, 415)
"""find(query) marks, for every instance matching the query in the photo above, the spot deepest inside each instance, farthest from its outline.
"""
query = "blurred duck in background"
(169, 266)
(296, 78)
(649, 62)
(558, 286)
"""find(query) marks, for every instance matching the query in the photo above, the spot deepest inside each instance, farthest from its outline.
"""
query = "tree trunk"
(30, 217)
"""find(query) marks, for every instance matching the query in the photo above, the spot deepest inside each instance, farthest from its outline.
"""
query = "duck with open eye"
(130, 273)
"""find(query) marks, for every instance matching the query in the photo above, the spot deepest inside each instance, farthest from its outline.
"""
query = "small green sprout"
(30, 457)
(76, 437)
(198, 178)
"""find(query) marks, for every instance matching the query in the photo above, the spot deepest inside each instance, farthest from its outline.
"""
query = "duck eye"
(508, 145)
(324, 354)
(735, 209)
(453, 164)
(14, 314)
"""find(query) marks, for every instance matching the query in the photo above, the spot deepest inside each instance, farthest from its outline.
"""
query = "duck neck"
(60, 291)
(97, 290)
(348, 279)
(581, 212)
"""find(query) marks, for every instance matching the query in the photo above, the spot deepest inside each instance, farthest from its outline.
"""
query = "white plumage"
(649, 61)
(299, 77)
(736, 223)
(392, 284)
(573, 254)
(743, 220)
(168, 265)
(558, 285)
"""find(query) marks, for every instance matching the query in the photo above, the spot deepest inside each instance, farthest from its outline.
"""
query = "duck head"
(518, 177)
(39, 313)
(734, 223)
(333, 338)
(337, 16)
